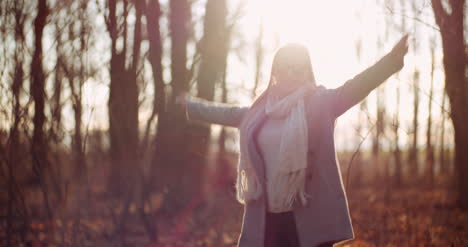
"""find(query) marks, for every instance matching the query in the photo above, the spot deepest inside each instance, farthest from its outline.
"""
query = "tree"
(37, 87)
(358, 165)
(396, 118)
(396, 149)
(259, 56)
(13, 160)
(413, 157)
(39, 145)
(213, 49)
(171, 155)
(442, 150)
(413, 150)
(153, 14)
(379, 124)
(123, 95)
(224, 168)
(70, 67)
(450, 22)
(429, 146)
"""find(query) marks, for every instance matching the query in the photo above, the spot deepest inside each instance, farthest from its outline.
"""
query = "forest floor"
(381, 216)
(401, 217)
(406, 217)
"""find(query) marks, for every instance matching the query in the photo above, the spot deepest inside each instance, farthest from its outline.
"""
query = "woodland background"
(133, 172)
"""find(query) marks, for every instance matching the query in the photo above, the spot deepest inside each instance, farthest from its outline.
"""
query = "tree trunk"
(13, 144)
(213, 47)
(442, 157)
(451, 30)
(123, 102)
(171, 155)
(56, 104)
(396, 123)
(358, 163)
(259, 50)
(413, 153)
(429, 147)
(153, 14)
(223, 176)
(396, 150)
(379, 128)
(39, 145)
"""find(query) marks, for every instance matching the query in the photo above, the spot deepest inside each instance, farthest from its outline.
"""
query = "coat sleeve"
(356, 89)
(212, 112)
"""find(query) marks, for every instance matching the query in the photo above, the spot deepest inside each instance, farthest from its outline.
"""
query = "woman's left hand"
(399, 51)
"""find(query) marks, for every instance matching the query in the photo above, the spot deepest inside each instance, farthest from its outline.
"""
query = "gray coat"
(326, 217)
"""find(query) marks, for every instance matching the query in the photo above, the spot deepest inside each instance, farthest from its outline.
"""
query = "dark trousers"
(280, 231)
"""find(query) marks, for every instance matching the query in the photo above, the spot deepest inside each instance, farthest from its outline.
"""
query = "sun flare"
(328, 31)
(331, 31)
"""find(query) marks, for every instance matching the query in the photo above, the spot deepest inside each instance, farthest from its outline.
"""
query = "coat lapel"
(254, 153)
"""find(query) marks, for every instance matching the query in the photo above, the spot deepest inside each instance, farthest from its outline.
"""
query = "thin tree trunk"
(224, 168)
(259, 50)
(39, 144)
(399, 176)
(358, 164)
(413, 154)
(429, 147)
(379, 122)
(442, 157)
(396, 150)
(56, 106)
(153, 14)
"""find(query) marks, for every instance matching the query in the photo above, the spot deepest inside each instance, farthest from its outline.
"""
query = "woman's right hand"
(181, 99)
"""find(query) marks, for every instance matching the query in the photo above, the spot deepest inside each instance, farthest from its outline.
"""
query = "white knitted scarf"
(288, 182)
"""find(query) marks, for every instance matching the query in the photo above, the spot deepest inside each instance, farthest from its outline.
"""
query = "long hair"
(290, 54)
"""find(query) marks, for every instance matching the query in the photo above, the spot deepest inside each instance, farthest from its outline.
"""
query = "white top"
(268, 140)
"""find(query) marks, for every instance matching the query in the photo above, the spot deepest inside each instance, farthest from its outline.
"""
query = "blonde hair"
(292, 53)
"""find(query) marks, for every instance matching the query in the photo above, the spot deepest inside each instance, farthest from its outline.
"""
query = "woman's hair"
(289, 58)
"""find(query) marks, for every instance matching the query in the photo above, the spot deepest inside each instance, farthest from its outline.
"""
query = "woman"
(288, 177)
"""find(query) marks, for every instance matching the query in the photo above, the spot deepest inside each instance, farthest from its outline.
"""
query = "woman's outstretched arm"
(356, 89)
(212, 112)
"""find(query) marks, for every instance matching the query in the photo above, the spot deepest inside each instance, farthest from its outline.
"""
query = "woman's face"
(291, 69)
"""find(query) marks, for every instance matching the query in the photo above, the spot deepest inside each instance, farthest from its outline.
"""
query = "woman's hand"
(399, 51)
(181, 99)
